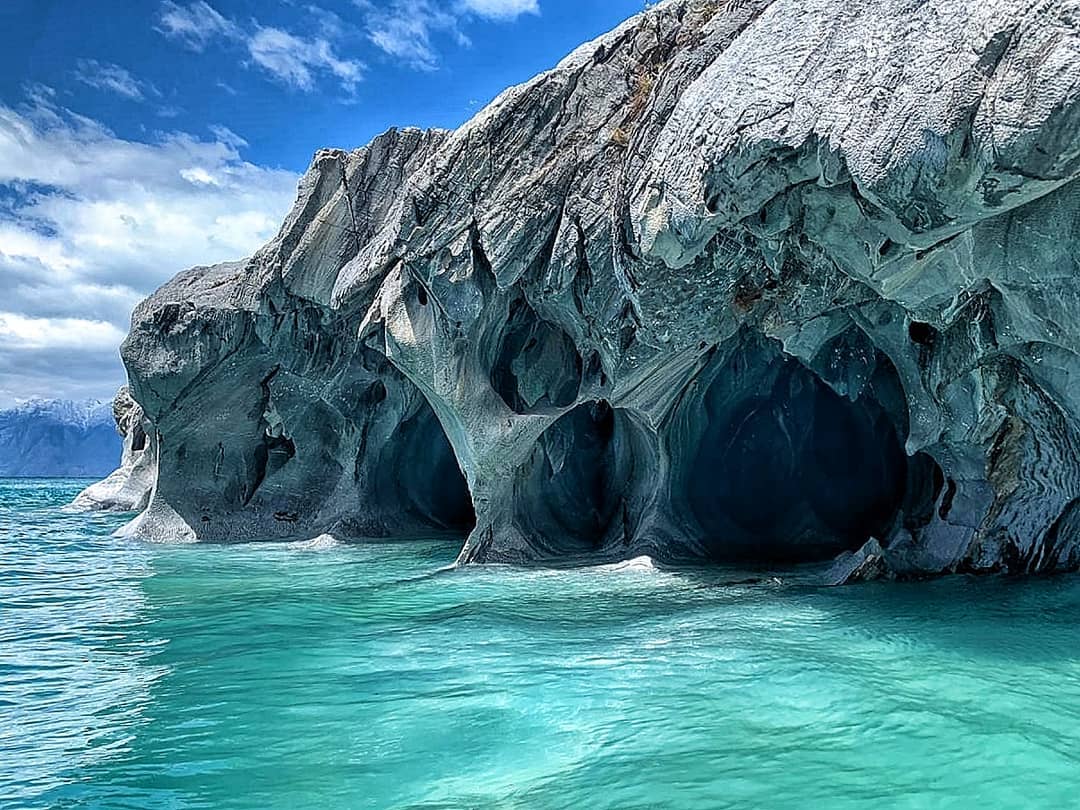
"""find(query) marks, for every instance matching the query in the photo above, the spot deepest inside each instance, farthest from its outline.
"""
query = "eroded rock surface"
(741, 281)
(128, 488)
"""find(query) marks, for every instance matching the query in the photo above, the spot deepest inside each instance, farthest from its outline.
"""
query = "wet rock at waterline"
(746, 281)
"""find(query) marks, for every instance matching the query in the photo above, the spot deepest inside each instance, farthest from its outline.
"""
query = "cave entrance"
(427, 481)
(407, 475)
(787, 470)
(578, 489)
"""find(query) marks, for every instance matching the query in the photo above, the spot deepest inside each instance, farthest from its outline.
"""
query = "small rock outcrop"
(746, 281)
(864, 565)
(128, 488)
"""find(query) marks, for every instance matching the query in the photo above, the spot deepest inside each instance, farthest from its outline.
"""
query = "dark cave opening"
(577, 493)
(787, 470)
(536, 365)
(138, 438)
(423, 477)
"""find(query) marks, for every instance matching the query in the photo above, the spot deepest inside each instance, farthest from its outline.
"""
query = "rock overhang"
(702, 193)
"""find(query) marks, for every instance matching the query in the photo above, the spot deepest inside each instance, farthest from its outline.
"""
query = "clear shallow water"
(272, 676)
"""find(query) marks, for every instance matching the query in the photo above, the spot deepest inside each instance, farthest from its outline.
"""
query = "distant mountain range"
(58, 438)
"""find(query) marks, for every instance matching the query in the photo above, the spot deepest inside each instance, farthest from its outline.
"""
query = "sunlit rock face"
(750, 281)
(127, 489)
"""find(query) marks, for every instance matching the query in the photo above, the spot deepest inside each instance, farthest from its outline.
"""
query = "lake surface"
(267, 676)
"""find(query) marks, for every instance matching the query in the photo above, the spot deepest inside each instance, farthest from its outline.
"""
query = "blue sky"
(140, 137)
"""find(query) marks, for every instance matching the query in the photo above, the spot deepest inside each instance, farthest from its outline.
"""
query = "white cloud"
(227, 136)
(292, 59)
(21, 333)
(330, 25)
(71, 358)
(501, 9)
(289, 58)
(90, 223)
(405, 29)
(199, 176)
(113, 78)
(196, 25)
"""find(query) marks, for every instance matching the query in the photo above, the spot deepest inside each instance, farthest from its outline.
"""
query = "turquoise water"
(272, 676)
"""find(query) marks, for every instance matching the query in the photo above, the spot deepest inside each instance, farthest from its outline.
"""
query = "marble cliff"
(748, 281)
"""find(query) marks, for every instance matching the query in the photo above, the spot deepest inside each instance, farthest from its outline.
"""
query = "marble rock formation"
(748, 281)
(127, 489)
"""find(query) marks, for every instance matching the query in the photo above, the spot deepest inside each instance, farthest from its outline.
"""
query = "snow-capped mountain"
(58, 438)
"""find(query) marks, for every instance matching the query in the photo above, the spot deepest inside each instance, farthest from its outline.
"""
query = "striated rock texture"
(748, 281)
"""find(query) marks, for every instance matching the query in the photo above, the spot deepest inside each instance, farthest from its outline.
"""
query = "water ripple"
(265, 676)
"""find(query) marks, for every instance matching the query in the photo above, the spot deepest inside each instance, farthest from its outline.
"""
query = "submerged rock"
(751, 281)
(864, 565)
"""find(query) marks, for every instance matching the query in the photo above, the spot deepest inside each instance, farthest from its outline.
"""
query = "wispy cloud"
(227, 136)
(113, 78)
(405, 29)
(501, 9)
(196, 24)
(294, 60)
(329, 24)
(90, 223)
(288, 57)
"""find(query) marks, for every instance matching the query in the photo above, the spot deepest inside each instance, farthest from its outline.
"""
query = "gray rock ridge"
(737, 281)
